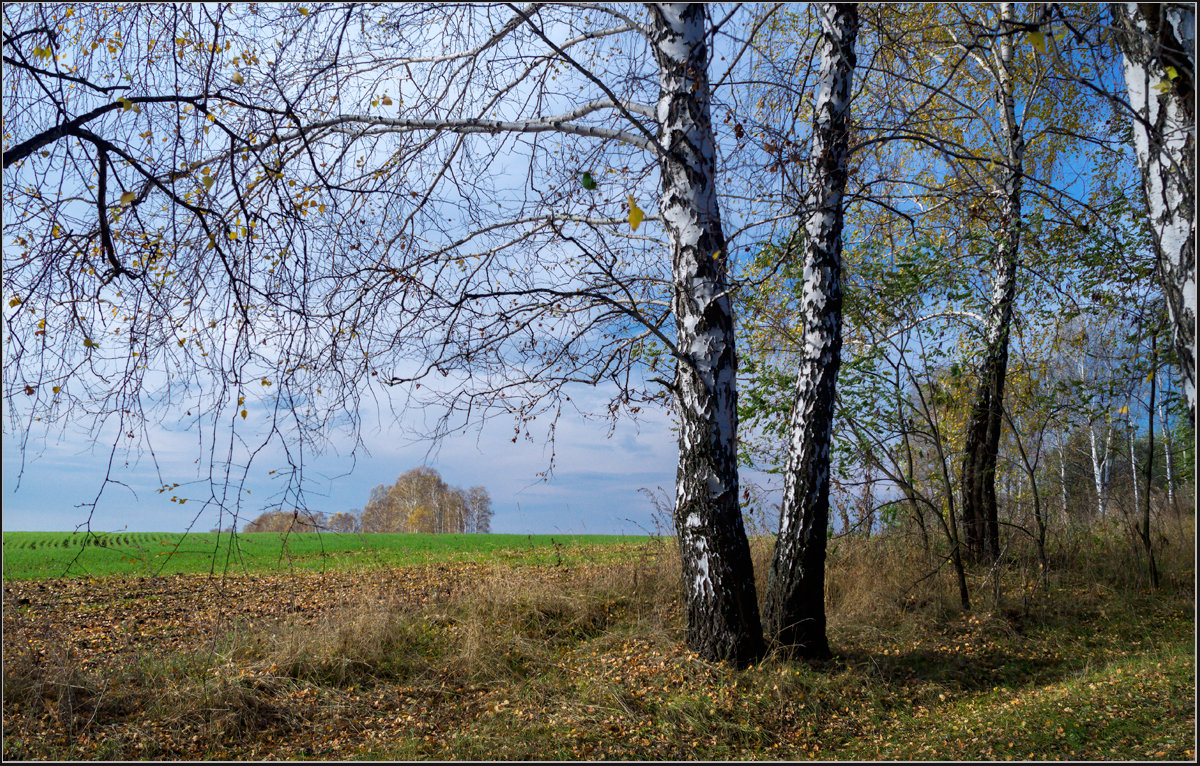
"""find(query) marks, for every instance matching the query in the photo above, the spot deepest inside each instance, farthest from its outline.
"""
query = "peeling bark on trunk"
(980, 518)
(795, 603)
(723, 619)
(1152, 38)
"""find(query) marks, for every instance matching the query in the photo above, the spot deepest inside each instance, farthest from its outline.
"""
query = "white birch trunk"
(723, 621)
(1154, 37)
(795, 604)
(1062, 475)
(1162, 421)
(1100, 468)
(1137, 503)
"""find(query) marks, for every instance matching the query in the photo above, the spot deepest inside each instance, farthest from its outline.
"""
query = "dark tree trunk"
(911, 496)
(795, 604)
(1147, 543)
(979, 513)
(1152, 38)
(981, 526)
(718, 576)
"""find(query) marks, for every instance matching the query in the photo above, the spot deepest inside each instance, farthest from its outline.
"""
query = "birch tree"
(260, 214)
(980, 522)
(420, 501)
(1158, 43)
(795, 602)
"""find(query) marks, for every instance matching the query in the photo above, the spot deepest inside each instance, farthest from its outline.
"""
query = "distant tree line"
(419, 501)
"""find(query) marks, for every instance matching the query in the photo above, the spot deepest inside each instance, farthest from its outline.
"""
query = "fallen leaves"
(571, 664)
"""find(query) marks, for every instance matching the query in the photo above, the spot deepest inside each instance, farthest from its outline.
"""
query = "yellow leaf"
(88, 343)
(1162, 86)
(1172, 73)
(56, 389)
(1038, 40)
(15, 302)
(1124, 410)
(243, 414)
(386, 101)
(635, 214)
(125, 103)
(303, 11)
(208, 182)
(128, 197)
(237, 79)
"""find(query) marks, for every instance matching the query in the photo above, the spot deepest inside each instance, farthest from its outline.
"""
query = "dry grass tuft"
(350, 646)
(54, 686)
(515, 621)
(880, 583)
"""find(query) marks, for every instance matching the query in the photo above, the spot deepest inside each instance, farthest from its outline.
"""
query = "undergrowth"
(587, 660)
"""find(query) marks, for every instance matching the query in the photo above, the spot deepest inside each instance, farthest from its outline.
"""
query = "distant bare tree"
(479, 510)
(286, 522)
(345, 521)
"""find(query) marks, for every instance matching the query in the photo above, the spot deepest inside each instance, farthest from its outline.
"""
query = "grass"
(40, 555)
(582, 657)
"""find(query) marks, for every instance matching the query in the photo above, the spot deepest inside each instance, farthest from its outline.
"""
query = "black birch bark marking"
(718, 576)
(795, 604)
(1158, 41)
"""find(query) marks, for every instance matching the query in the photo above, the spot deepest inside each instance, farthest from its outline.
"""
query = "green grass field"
(39, 555)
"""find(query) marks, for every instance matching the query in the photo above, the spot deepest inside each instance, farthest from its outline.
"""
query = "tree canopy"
(259, 221)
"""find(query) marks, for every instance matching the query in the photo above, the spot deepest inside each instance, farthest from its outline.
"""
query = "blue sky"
(593, 489)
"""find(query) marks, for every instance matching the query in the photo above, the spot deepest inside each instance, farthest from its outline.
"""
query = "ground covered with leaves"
(587, 661)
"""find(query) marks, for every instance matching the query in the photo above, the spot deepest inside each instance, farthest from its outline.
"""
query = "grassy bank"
(585, 659)
(37, 555)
